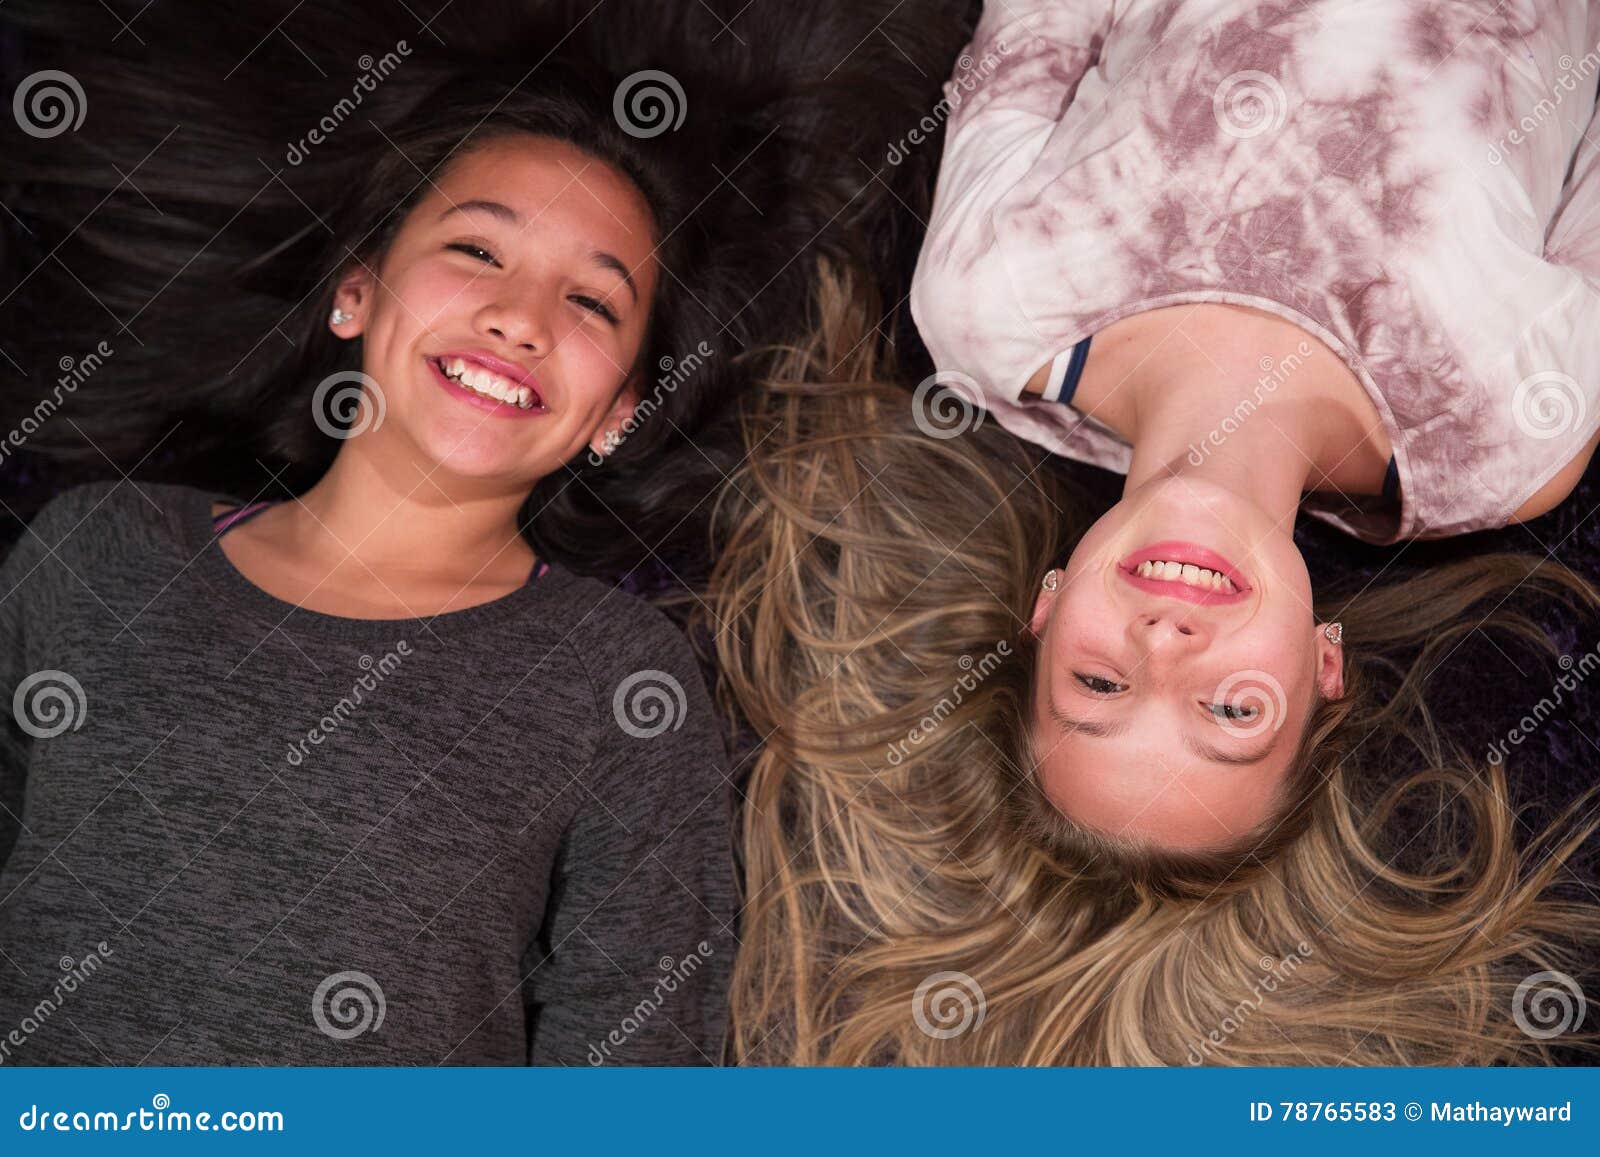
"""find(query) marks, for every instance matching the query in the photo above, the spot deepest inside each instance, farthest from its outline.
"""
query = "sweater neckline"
(231, 586)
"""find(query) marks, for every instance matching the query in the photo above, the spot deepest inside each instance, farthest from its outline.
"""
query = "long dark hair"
(188, 224)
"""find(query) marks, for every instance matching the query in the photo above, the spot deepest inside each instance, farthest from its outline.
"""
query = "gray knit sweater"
(233, 831)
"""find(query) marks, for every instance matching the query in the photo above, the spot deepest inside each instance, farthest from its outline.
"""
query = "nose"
(518, 322)
(1159, 630)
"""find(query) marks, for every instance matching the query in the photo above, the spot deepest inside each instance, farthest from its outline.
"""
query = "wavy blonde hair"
(910, 895)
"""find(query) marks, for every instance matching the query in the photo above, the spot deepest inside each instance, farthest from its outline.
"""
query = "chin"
(468, 453)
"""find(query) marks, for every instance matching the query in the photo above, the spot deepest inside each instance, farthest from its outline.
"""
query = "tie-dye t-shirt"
(1414, 182)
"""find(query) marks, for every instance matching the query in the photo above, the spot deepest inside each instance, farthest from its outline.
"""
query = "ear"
(1042, 605)
(620, 413)
(354, 295)
(1330, 663)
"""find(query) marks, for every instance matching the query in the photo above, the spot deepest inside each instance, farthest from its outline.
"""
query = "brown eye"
(594, 305)
(1098, 685)
(475, 251)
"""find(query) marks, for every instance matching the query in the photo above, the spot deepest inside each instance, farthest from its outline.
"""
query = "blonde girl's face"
(533, 263)
(1168, 709)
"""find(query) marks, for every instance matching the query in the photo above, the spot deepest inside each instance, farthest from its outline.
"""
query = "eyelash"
(1229, 712)
(1105, 687)
(593, 304)
(469, 249)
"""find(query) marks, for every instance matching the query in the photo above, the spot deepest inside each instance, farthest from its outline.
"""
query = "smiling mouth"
(1187, 573)
(486, 384)
(1183, 570)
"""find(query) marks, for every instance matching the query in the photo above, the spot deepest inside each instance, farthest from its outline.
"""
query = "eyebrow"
(1203, 750)
(508, 215)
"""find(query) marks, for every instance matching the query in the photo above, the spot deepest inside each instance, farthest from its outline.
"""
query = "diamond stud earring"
(1334, 633)
(609, 445)
(1051, 580)
(339, 316)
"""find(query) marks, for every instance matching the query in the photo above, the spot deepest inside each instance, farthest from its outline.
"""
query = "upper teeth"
(1186, 573)
(476, 378)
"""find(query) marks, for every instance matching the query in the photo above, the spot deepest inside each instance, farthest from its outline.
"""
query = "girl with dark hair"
(339, 756)
(357, 776)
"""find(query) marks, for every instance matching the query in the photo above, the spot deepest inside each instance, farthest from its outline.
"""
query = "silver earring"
(1051, 580)
(609, 445)
(1334, 633)
(339, 316)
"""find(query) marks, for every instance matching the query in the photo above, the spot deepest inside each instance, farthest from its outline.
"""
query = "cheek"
(429, 295)
(1082, 614)
(594, 362)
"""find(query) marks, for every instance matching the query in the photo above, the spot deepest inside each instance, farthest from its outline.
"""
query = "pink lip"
(1184, 552)
(516, 374)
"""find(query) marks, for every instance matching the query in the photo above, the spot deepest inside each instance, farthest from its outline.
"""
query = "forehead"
(556, 190)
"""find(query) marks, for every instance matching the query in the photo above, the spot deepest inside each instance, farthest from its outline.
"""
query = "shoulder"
(618, 632)
(96, 519)
(1555, 491)
(647, 680)
(120, 496)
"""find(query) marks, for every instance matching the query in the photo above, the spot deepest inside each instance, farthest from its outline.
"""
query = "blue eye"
(594, 305)
(473, 251)
(1098, 685)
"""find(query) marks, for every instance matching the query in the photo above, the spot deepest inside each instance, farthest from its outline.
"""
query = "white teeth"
(1186, 573)
(481, 381)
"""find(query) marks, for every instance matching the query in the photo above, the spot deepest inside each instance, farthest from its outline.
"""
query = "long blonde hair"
(910, 897)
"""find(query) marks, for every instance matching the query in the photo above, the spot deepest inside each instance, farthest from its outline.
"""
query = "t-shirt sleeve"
(1010, 90)
(633, 961)
(1026, 56)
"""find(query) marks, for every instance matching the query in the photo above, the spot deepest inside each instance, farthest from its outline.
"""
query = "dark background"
(1484, 688)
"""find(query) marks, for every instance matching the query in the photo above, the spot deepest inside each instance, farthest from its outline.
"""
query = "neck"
(388, 513)
(1243, 399)
(1266, 459)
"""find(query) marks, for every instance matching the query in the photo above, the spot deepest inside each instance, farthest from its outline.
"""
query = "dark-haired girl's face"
(504, 321)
